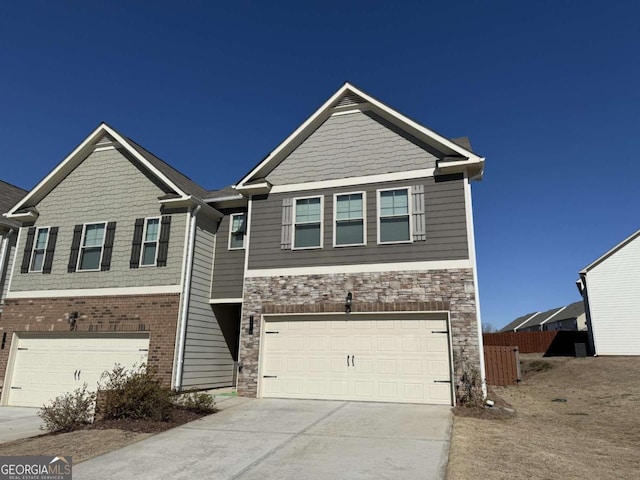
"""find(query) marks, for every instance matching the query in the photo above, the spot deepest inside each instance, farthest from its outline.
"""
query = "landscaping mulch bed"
(179, 417)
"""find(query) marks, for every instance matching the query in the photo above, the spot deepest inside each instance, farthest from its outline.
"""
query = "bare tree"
(488, 328)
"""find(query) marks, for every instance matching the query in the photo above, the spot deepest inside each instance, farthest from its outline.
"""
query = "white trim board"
(96, 292)
(364, 268)
(215, 301)
(352, 181)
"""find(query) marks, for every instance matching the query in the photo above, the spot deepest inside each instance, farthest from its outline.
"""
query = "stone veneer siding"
(402, 291)
(156, 314)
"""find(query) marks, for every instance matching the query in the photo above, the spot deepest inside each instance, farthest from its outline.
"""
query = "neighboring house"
(610, 287)
(569, 317)
(341, 267)
(360, 210)
(113, 264)
(9, 196)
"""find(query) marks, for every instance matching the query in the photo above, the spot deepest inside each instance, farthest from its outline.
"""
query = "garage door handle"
(353, 360)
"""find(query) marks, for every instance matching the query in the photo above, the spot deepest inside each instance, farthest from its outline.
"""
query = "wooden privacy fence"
(527, 342)
(502, 365)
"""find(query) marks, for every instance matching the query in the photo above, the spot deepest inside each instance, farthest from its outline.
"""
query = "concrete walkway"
(19, 422)
(290, 439)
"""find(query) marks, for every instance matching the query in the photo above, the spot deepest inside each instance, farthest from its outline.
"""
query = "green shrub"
(134, 394)
(196, 402)
(69, 411)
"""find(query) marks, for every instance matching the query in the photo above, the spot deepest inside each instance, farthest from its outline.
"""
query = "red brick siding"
(156, 314)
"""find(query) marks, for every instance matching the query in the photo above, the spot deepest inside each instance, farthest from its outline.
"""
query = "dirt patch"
(501, 409)
(95, 439)
(592, 434)
(81, 444)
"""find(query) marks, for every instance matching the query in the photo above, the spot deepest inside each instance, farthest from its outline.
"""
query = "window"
(39, 249)
(394, 217)
(237, 230)
(349, 219)
(150, 242)
(91, 247)
(307, 231)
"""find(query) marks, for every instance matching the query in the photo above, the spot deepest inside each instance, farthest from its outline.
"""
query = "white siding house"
(610, 287)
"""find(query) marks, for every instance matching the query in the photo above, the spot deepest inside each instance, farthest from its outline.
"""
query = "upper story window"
(237, 230)
(149, 251)
(91, 246)
(394, 216)
(349, 217)
(39, 249)
(307, 222)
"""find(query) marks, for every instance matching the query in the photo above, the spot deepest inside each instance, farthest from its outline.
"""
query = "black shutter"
(136, 243)
(108, 247)
(51, 246)
(26, 258)
(75, 248)
(163, 245)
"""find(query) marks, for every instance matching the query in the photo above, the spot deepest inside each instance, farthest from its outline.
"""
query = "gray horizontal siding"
(446, 230)
(208, 361)
(228, 270)
(355, 144)
(105, 187)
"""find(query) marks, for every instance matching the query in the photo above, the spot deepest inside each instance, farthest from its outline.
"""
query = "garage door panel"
(49, 365)
(393, 360)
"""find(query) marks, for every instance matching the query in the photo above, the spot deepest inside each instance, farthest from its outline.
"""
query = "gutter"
(186, 291)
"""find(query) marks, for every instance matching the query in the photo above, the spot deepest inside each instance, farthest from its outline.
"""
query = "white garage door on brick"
(382, 358)
(46, 366)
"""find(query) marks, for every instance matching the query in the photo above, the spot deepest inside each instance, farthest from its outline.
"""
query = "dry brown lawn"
(595, 434)
(81, 445)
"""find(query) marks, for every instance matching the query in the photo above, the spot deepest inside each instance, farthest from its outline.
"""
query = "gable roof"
(553, 315)
(603, 257)
(349, 97)
(182, 187)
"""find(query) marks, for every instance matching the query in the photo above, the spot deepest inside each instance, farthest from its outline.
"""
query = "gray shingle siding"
(228, 272)
(353, 145)
(208, 362)
(446, 229)
(106, 186)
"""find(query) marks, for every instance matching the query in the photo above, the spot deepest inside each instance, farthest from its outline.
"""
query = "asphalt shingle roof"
(9, 196)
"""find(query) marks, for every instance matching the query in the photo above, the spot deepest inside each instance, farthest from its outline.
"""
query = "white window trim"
(144, 235)
(81, 247)
(294, 223)
(364, 219)
(33, 249)
(244, 235)
(409, 214)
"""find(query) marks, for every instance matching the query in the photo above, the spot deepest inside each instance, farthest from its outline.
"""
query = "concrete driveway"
(282, 439)
(19, 422)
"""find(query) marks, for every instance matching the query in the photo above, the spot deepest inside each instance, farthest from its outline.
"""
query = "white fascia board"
(390, 114)
(95, 292)
(551, 316)
(70, 162)
(352, 181)
(600, 259)
(364, 268)
(529, 318)
(224, 301)
(255, 189)
(309, 122)
(189, 201)
(59, 172)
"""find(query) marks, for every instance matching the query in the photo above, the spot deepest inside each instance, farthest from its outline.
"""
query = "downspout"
(3, 258)
(186, 293)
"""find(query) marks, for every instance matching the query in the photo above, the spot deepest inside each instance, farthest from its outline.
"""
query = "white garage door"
(46, 366)
(365, 358)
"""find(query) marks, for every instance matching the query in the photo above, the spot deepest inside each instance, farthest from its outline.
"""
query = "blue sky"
(547, 91)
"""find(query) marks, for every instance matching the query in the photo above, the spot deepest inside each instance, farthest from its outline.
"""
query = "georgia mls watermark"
(41, 467)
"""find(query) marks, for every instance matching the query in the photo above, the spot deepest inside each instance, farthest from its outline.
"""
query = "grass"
(593, 434)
